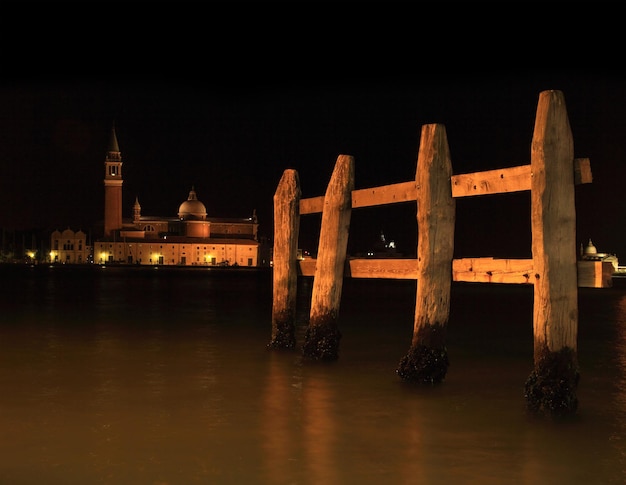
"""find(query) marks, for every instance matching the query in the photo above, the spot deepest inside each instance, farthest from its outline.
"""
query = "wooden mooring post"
(427, 359)
(323, 335)
(285, 260)
(553, 383)
(551, 177)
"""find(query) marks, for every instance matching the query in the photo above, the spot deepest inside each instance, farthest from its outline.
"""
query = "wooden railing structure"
(551, 177)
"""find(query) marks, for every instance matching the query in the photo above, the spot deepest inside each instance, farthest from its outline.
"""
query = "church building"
(69, 247)
(191, 238)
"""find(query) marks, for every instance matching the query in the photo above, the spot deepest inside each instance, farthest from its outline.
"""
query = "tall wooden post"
(285, 270)
(427, 359)
(551, 387)
(323, 335)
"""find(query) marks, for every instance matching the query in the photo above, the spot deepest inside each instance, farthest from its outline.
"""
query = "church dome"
(192, 209)
(590, 249)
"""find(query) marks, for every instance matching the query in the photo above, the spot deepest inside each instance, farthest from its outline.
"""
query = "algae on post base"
(551, 387)
(284, 331)
(427, 361)
(321, 341)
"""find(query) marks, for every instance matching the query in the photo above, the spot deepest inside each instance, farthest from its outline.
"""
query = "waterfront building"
(69, 247)
(596, 270)
(189, 238)
(590, 253)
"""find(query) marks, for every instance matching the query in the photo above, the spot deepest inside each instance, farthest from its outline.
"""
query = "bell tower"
(112, 187)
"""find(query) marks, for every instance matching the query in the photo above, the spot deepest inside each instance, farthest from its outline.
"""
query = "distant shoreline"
(135, 267)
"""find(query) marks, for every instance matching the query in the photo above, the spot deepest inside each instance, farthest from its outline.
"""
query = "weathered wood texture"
(475, 270)
(512, 179)
(333, 243)
(504, 180)
(551, 178)
(436, 219)
(483, 270)
(373, 196)
(553, 221)
(387, 268)
(285, 275)
(490, 270)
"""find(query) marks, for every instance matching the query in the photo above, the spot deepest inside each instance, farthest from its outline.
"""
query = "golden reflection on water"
(299, 428)
(282, 407)
(620, 350)
(413, 470)
(320, 431)
(115, 401)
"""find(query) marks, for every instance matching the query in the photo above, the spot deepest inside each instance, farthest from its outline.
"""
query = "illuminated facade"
(69, 247)
(189, 239)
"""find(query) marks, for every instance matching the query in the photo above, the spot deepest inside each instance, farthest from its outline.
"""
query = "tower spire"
(113, 145)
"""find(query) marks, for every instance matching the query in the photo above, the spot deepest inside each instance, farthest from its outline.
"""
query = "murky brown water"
(145, 377)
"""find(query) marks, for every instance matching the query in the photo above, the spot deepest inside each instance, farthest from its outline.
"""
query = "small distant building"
(69, 247)
(590, 253)
(596, 270)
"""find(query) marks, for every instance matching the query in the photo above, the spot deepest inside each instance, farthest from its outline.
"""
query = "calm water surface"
(143, 376)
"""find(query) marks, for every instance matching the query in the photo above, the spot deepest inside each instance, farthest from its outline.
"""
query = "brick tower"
(112, 188)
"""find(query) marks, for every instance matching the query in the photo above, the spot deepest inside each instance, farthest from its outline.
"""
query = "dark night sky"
(230, 129)
(233, 143)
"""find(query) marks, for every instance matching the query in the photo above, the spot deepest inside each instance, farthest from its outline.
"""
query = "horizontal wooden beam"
(306, 267)
(389, 268)
(490, 270)
(582, 171)
(386, 194)
(512, 179)
(385, 268)
(312, 205)
(383, 195)
(483, 270)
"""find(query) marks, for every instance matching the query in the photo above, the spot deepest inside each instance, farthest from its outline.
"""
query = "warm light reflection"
(620, 351)
(281, 410)
(320, 431)
(299, 417)
(415, 467)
